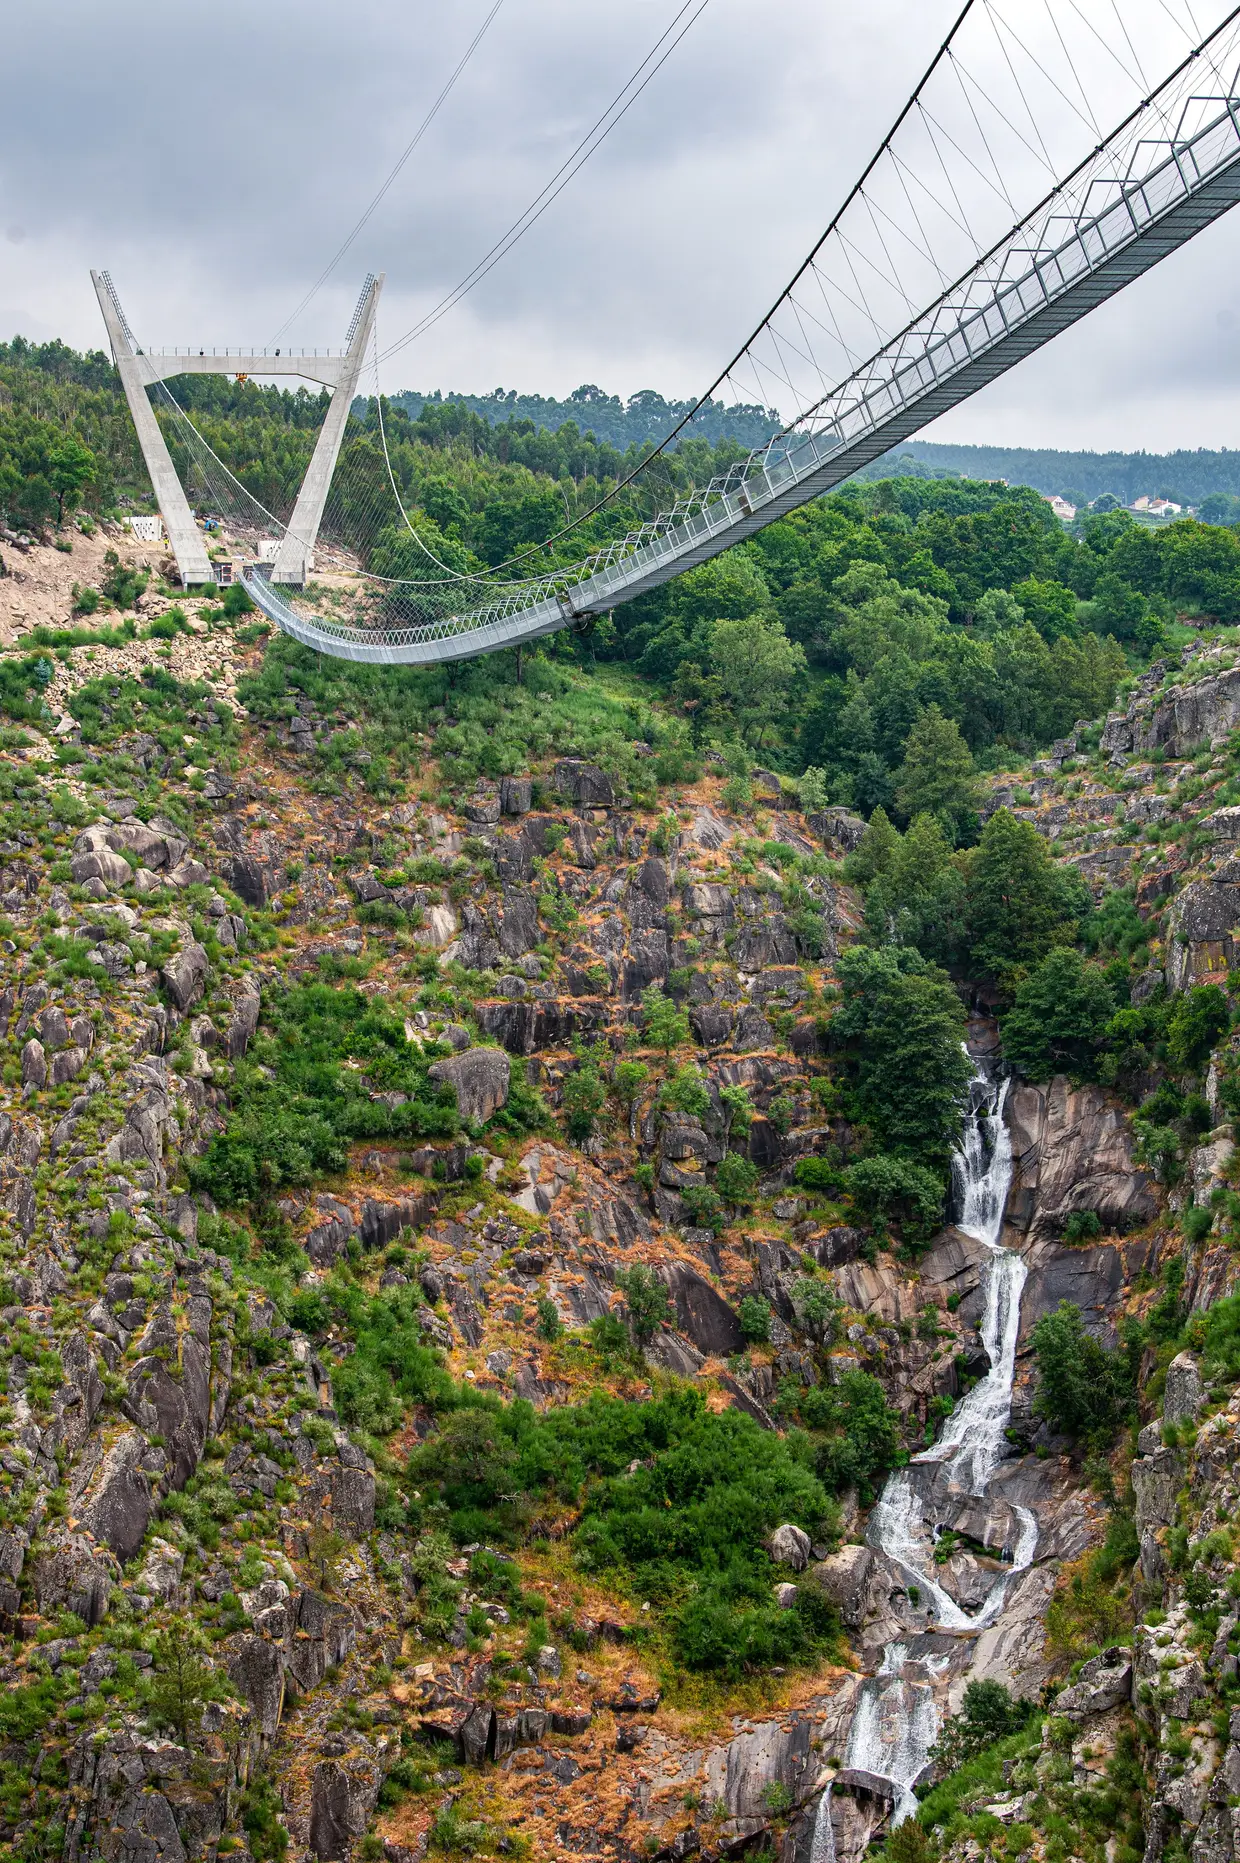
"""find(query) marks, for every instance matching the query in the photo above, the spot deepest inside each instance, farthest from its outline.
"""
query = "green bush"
(647, 1300)
(819, 1174)
(895, 1190)
(987, 1713)
(675, 1506)
(1060, 1018)
(297, 1101)
(754, 1314)
(736, 1178)
(1084, 1390)
(1198, 1020)
(857, 1433)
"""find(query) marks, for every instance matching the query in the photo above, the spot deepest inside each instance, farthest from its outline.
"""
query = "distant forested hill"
(641, 421)
(1186, 477)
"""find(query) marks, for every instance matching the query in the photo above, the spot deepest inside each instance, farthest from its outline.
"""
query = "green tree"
(469, 1457)
(737, 1178)
(687, 1091)
(738, 1110)
(647, 1300)
(904, 1025)
(1018, 903)
(1048, 605)
(874, 852)
(754, 1314)
(585, 1095)
(71, 467)
(183, 1682)
(1059, 1019)
(1083, 1390)
(812, 789)
(919, 899)
(937, 776)
(665, 1025)
(1198, 1020)
(757, 664)
(988, 1713)
(896, 1189)
(861, 1432)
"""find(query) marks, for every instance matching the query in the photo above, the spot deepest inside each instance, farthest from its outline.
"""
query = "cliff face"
(176, 1450)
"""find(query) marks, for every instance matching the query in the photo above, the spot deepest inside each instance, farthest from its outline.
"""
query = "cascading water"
(895, 1722)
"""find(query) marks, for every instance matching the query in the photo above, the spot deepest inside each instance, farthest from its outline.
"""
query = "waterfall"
(895, 1723)
(822, 1848)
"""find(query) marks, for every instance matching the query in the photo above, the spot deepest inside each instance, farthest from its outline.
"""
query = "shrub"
(1059, 1019)
(754, 1314)
(1197, 1222)
(987, 1713)
(298, 1099)
(647, 1299)
(818, 1174)
(736, 1178)
(893, 1189)
(1198, 1019)
(1082, 1226)
(1083, 1389)
(859, 1440)
(584, 1096)
(550, 1325)
(676, 1504)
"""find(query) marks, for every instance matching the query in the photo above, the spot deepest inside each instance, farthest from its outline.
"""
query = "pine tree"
(937, 776)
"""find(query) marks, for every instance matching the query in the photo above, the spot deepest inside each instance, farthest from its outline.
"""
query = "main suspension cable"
(422, 128)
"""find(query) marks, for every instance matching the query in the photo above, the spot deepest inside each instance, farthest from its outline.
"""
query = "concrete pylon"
(139, 371)
(292, 558)
(183, 534)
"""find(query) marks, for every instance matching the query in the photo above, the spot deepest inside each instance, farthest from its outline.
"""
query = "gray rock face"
(1203, 926)
(185, 976)
(742, 1772)
(343, 1794)
(72, 1574)
(1104, 1682)
(1156, 1481)
(480, 1077)
(515, 794)
(1181, 723)
(256, 1669)
(518, 922)
(1185, 1392)
(123, 1497)
(702, 1314)
(1073, 1151)
(790, 1546)
(175, 1408)
(845, 1577)
(34, 1064)
(584, 783)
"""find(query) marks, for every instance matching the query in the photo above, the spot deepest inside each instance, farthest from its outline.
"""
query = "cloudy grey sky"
(213, 159)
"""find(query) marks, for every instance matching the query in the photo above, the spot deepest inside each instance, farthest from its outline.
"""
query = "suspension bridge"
(1000, 210)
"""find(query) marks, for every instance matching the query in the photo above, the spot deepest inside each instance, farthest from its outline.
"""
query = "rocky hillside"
(448, 1362)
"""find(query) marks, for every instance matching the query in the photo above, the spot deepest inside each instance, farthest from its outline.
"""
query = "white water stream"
(895, 1722)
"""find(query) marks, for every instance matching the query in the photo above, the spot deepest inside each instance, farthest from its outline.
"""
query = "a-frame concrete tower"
(339, 373)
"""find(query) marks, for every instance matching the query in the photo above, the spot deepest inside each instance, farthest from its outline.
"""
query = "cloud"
(214, 161)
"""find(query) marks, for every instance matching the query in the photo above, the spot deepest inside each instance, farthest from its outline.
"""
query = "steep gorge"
(209, 1412)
